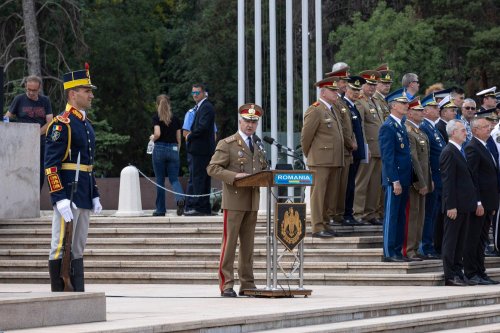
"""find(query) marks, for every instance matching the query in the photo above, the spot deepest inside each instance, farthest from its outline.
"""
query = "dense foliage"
(139, 49)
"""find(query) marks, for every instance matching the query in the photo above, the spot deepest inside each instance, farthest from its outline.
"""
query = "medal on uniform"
(343, 110)
(402, 146)
(240, 153)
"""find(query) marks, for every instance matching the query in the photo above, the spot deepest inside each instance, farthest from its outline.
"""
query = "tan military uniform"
(240, 204)
(368, 180)
(419, 145)
(335, 204)
(382, 103)
(323, 144)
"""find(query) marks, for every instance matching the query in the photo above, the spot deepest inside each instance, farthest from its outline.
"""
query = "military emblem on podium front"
(290, 224)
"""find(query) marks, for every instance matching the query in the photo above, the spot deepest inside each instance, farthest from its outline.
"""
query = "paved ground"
(132, 307)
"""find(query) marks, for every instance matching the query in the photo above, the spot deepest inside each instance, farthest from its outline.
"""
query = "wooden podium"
(273, 179)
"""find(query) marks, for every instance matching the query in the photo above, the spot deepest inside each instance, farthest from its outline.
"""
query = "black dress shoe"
(323, 234)
(455, 282)
(351, 221)
(409, 259)
(158, 214)
(490, 280)
(392, 259)
(475, 280)
(180, 207)
(375, 221)
(229, 292)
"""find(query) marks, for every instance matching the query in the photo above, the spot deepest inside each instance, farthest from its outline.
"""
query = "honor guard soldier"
(323, 145)
(237, 156)
(396, 175)
(422, 182)
(433, 199)
(488, 99)
(368, 190)
(335, 205)
(383, 88)
(71, 139)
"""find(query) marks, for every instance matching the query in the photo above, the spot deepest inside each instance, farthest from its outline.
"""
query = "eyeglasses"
(195, 93)
(416, 81)
(33, 91)
(469, 107)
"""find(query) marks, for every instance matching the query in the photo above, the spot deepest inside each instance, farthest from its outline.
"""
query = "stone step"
(423, 279)
(171, 232)
(193, 243)
(146, 277)
(431, 266)
(490, 328)
(311, 255)
(21, 310)
(414, 322)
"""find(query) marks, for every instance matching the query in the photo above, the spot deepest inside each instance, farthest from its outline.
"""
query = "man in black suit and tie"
(447, 112)
(484, 169)
(201, 145)
(458, 203)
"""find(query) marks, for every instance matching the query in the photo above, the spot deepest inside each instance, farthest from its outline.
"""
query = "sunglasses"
(469, 107)
(195, 93)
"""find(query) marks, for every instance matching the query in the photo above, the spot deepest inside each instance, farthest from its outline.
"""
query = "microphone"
(259, 144)
(272, 141)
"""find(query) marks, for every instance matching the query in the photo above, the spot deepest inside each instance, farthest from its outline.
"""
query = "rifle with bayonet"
(68, 237)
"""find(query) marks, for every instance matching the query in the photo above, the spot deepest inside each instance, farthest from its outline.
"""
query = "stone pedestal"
(20, 167)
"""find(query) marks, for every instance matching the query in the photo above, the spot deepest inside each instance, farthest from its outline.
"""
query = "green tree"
(127, 39)
(394, 37)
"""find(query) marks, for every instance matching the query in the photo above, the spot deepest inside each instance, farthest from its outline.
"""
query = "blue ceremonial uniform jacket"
(357, 128)
(436, 145)
(67, 135)
(395, 153)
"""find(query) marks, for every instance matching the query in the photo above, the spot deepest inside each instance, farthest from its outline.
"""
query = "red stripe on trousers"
(223, 251)
(405, 240)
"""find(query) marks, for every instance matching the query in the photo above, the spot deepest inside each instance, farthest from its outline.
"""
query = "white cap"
(339, 65)
(487, 92)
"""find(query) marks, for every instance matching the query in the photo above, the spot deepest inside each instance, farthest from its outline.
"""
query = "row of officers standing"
(397, 161)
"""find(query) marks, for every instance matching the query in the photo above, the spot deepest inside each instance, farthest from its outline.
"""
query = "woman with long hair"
(167, 138)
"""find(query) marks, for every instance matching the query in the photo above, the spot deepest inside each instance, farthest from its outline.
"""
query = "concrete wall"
(20, 168)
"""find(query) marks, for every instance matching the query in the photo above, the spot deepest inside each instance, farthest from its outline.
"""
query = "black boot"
(56, 283)
(76, 276)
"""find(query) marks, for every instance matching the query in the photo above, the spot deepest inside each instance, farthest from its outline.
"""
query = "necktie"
(195, 108)
(250, 145)
(462, 151)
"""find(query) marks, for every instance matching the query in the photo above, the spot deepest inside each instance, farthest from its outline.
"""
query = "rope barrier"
(173, 192)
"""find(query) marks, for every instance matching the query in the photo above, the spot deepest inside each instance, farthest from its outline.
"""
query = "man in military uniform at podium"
(70, 139)
(235, 157)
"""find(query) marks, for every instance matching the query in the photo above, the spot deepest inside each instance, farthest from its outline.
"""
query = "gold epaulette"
(230, 139)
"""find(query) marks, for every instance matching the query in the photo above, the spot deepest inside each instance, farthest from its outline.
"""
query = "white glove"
(96, 204)
(65, 210)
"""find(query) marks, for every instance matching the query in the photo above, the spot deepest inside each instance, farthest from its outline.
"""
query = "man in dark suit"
(201, 145)
(458, 202)
(484, 171)
(352, 95)
(432, 199)
(447, 111)
(396, 174)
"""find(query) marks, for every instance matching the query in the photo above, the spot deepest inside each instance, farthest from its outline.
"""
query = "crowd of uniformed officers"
(426, 169)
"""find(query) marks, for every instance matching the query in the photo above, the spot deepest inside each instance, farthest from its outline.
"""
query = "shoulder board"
(317, 103)
(64, 118)
(230, 139)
